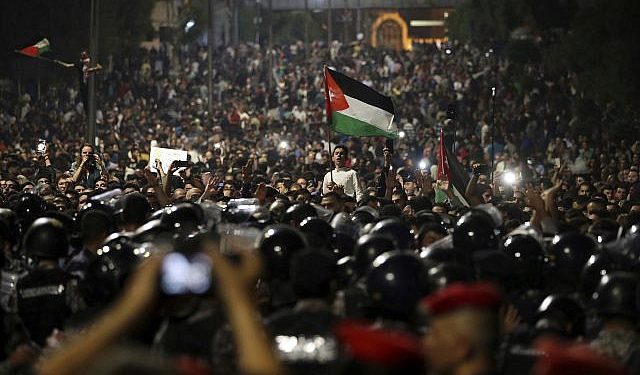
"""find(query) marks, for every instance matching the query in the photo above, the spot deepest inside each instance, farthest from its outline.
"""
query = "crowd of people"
(282, 247)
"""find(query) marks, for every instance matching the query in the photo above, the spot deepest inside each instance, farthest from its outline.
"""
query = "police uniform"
(45, 299)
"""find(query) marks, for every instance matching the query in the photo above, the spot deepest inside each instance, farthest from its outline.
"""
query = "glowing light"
(509, 178)
(189, 25)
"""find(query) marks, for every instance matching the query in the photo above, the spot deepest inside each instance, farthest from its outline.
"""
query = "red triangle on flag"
(334, 97)
(443, 163)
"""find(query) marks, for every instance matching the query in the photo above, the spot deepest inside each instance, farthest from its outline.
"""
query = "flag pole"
(37, 57)
(327, 99)
(493, 130)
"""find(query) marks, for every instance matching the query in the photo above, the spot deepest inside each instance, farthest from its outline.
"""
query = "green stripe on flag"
(351, 126)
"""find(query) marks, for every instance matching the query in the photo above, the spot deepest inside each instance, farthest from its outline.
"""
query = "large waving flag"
(355, 109)
(451, 170)
(37, 49)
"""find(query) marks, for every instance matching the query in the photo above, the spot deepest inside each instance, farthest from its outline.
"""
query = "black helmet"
(568, 254)
(363, 217)
(396, 282)
(135, 208)
(617, 296)
(318, 233)
(278, 209)
(345, 271)
(527, 259)
(151, 231)
(493, 266)
(445, 254)
(278, 246)
(627, 248)
(475, 230)
(368, 248)
(28, 207)
(342, 223)
(427, 217)
(312, 273)
(46, 238)
(118, 257)
(300, 211)
(343, 245)
(10, 220)
(442, 275)
(562, 315)
(598, 265)
(183, 218)
(397, 230)
(95, 205)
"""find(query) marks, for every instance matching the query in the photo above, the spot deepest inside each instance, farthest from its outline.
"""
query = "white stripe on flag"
(370, 114)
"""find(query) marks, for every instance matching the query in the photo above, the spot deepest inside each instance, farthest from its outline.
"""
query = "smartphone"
(181, 164)
(41, 147)
(183, 274)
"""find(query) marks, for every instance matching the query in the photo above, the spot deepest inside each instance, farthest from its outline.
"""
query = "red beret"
(459, 295)
(563, 359)
(384, 347)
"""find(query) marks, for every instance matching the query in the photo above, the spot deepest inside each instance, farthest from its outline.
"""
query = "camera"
(183, 274)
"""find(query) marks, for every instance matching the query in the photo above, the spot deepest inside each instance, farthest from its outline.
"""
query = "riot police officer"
(47, 295)
(615, 303)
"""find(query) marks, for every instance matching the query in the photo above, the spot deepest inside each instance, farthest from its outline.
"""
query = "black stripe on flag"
(362, 92)
(457, 174)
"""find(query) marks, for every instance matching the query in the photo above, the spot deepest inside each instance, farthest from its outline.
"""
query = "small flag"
(451, 170)
(355, 109)
(37, 49)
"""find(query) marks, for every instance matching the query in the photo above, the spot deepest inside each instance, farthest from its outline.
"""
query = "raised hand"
(151, 178)
(391, 180)
(246, 171)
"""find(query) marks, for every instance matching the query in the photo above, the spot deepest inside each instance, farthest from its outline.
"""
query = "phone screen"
(182, 275)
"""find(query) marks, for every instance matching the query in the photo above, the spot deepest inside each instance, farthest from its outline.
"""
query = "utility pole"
(358, 19)
(236, 30)
(306, 29)
(210, 45)
(270, 47)
(329, 24)
(93, 51)
(258, 21)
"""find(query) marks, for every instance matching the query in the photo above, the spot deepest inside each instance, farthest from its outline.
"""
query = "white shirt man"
(342, 179)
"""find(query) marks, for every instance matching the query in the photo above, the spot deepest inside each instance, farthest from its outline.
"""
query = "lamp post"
(210, 48)
(90, 136)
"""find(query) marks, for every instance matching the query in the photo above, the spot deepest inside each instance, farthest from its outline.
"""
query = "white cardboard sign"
(166, 156)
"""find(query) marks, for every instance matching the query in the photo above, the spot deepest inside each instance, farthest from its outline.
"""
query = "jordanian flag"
(451, 170)
(37, 49)
(355, 109)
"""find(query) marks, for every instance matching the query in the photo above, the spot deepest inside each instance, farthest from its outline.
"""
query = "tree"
(602, 48)
(124, 24)
(486, 21)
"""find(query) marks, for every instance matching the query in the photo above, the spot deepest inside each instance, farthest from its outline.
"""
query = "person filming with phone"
(89, 168)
